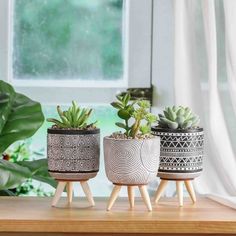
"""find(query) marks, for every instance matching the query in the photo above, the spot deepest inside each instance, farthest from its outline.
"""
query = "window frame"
(137, 60)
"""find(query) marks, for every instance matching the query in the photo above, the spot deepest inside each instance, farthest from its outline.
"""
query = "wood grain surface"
(28, 214)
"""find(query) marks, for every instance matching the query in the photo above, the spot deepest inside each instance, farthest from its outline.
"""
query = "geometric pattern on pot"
(181, 154)
(131, 161)
(73, 153)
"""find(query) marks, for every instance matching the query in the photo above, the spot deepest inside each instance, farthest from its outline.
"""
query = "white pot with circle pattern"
(73, 154)
(131, 161)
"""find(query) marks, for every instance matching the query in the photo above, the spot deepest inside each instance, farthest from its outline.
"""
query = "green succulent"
(178, 117)
(138, 110)
(75, 117)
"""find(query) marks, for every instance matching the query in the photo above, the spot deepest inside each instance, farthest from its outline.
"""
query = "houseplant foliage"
(131, 157)
(74, 118)
(182, 143)
(21, 117)
(178, 118)
(138, 110)
(73, 144)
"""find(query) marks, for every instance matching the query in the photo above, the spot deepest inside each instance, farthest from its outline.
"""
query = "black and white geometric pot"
(131, 162)
(73, 154)
(182, 152)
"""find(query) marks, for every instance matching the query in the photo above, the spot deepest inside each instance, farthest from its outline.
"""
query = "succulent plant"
(138, 110)
(75, 117)
(178, 118)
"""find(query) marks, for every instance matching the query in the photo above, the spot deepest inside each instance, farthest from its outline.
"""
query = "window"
(67, 40)
(56, 51)
(55, 56)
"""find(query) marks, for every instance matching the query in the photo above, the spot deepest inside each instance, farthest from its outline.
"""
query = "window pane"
(68, 39)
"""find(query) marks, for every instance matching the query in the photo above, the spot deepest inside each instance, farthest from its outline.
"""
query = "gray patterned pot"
(181, 153)
(131, 161)
(73, 154)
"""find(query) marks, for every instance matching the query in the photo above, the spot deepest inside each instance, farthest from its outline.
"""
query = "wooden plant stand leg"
(87, 192)
(179, 188)
(145, 196)
(113, 196)
(69, 189)
(190, 189)
(60, 188)
(160, 190)
(131, 195)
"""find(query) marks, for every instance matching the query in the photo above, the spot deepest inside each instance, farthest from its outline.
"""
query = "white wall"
(162, 58)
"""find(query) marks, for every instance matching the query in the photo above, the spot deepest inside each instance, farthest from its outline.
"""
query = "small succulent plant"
(138, 112)
(74, 118)
(178, 118)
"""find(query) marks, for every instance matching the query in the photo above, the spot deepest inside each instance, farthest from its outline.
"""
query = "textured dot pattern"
(131, 161)
(73, 153)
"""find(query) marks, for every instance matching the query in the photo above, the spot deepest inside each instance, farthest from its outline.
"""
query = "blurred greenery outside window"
(68, 39)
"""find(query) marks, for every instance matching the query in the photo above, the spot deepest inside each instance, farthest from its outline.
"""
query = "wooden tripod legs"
(142, 189)
(69, 188)
(179, 190)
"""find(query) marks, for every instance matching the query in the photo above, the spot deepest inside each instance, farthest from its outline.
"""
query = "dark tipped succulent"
(75, 117)
(178, 118)
(138, 110)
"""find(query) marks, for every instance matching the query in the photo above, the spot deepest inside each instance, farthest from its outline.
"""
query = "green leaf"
(167, 116)
(12, 175)
(172, 114)
(57, 122)
(171, 124)
(121, 125)
(39, 171)
(126, 98)
(151, 118)
(187, 124)
(117, 105)
(119, 98)
(123, 114)
(20, 116)
(180, 112)
(145, 129)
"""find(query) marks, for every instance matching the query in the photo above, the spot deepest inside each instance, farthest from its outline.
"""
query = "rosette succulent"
(178, 117)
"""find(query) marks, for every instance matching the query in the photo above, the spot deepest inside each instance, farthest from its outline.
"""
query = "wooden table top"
(29, 214)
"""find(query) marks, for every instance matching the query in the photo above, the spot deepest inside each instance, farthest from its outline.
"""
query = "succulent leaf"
(74, 117)
(138, 111)
(124, 114)
(116, 105)
(178, 118)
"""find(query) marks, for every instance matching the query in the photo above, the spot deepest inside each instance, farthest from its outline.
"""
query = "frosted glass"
(68, 39)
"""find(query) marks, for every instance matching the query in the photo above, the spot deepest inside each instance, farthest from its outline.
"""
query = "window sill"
(28, 214)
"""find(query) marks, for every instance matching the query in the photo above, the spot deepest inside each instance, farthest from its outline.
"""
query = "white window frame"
(137, 61)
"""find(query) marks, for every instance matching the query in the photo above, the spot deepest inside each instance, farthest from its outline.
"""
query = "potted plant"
(182, 150)
(73, 147)
(131, 158)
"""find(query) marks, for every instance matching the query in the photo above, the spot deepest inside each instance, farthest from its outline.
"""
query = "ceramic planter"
(181, 154)
(131, 161)
(73, 154)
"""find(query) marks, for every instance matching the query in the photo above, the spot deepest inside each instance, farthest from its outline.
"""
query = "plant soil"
(119, 135)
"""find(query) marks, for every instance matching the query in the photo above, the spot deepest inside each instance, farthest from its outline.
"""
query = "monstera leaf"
(20, 117)
(39, 171)
(12, 175)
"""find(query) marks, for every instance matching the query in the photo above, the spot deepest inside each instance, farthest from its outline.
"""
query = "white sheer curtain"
(202, 83)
